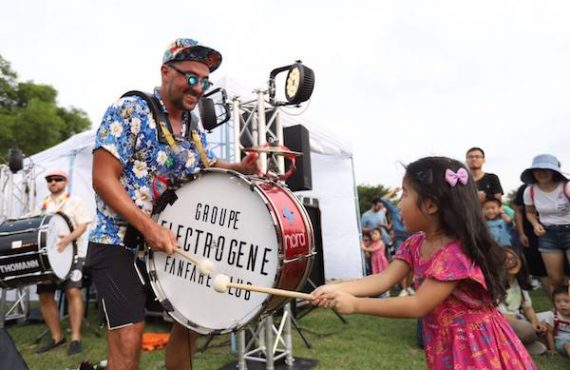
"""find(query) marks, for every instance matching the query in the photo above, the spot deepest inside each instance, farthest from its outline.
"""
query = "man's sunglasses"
(56, 179)
(192, 79)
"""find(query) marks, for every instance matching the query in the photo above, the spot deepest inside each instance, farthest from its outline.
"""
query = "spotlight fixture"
(214, 114)
(299, 84)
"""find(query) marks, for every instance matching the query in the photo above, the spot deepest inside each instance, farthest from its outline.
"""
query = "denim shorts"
(555, 239)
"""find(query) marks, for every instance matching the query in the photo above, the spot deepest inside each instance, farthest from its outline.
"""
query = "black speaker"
(317, 274)
(297, 139)
(10, 358)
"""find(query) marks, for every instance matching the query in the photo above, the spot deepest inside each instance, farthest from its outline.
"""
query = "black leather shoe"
(74, 348)
(50, 345)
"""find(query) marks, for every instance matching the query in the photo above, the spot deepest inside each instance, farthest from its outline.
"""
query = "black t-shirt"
(490, 184)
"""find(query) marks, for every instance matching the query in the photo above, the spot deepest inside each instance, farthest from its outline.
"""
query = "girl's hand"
(341, 302)
(539, 327)
(319, 295)
(539, 230)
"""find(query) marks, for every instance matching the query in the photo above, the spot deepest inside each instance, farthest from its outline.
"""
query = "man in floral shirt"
(135, 158)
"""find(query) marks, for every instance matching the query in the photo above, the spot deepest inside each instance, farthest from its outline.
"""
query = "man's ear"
(430, 207)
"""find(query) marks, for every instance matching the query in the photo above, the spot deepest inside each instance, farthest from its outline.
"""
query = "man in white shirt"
(73, 207)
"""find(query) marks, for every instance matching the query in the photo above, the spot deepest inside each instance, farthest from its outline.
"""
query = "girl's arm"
(530, 314)
(430, 294)
(371, 285)
(532, 217)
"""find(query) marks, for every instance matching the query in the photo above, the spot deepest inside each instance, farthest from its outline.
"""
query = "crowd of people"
(534, 234)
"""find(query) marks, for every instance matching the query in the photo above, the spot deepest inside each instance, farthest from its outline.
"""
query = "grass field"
(365, 343)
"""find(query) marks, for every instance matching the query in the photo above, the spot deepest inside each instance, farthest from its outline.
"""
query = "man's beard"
(178, 101)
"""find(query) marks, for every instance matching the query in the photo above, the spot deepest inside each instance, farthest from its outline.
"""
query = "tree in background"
(366, 193)
(30, 117)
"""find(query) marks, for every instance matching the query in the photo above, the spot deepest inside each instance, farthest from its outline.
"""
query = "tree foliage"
(30, 117)
(366, 193)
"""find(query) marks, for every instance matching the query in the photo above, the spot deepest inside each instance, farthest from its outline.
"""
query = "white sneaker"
(411, 291)
(536, 348)
(403, 293)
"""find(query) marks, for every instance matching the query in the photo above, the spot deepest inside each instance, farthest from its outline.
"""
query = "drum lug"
(167, 305)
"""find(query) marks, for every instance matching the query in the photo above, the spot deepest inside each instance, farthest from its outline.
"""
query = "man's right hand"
(160, 238)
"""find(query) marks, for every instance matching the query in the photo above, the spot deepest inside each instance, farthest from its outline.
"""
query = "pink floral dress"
(465, 331)
(378, 259)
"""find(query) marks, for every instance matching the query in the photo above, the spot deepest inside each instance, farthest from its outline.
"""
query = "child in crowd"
(547, 205)
(498, 221)
(364, 245)
(517, 306)
(457, 269)
(558, 321)
(377, 250)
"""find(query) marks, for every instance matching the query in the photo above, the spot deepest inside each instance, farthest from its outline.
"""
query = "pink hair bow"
(452, 177)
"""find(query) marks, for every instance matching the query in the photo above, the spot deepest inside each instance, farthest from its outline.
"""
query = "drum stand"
(19, 308)
(268, 345)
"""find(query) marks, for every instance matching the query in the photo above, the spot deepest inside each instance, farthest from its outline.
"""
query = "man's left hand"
(250, 164)
(64, 240)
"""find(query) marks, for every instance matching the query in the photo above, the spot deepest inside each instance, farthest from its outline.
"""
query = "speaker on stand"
(297, 139)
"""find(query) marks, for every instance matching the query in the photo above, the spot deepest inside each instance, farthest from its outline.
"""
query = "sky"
(395, 80)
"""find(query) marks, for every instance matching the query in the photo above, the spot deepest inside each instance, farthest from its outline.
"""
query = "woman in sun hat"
(547, 205)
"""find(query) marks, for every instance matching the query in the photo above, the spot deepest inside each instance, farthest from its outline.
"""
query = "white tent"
(332, 175)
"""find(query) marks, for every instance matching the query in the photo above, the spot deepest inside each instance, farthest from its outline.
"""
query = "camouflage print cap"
(188, 49)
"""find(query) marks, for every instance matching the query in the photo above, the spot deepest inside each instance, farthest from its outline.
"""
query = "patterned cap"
(188, 49)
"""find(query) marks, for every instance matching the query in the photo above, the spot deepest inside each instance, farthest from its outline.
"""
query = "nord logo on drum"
(295, 240)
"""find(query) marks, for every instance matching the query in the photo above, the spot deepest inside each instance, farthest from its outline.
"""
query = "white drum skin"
(252, 230)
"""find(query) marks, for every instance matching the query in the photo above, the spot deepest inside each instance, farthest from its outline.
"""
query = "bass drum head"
(60, 262)
(222, 217)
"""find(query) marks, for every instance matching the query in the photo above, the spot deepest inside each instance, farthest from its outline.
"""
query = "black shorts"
(74, 281)
(119, 287)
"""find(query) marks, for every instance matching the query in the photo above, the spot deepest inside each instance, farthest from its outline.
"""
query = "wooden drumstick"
(222, 283)
(205, 266)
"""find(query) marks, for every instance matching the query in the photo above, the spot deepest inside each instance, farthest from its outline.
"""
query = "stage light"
(299, 84)
(214, 114)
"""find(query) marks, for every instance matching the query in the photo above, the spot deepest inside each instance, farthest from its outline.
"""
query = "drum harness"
(165, 136)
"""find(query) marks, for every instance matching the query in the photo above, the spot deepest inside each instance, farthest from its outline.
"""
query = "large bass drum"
(254, 230)
(28, 252)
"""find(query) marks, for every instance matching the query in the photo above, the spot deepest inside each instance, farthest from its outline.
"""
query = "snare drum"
(28, 253)
(254, 230)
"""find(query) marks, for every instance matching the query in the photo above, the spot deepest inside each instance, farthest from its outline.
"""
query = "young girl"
(547, 204)
(377, 250)
(457, 269)
(558, 321)
(517, 307)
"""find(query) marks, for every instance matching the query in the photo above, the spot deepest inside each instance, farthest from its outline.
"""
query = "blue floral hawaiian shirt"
(129, 132)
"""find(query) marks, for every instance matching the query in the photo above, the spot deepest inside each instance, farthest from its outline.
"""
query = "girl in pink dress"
(457, 271)
(377, 251)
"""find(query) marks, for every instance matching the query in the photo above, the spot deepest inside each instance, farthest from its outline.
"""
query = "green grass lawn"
(365, 343)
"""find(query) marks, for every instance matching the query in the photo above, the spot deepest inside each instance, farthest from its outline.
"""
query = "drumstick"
(222, 283)
(205, 266)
